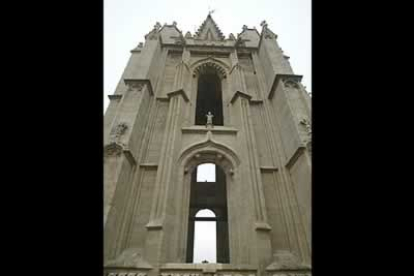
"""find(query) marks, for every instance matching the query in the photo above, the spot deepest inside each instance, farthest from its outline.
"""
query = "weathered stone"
(187, 100)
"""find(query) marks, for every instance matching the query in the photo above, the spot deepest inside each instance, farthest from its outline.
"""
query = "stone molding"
(284, 78)
(178, 92)
(129, 258)
(284, 260)
(116, 149)
(138, 85)
(295, 156)
(240, 94)
(203, 129)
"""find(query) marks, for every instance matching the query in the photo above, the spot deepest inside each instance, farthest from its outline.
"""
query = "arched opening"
(205, 237)
(209, 97)
(208, 237)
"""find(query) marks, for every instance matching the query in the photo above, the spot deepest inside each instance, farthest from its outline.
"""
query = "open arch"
(211, 196)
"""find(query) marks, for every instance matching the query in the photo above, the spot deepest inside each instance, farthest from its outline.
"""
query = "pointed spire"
(209, 28)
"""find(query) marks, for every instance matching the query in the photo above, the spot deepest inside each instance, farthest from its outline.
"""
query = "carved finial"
(244, 27)
(306, 123)
(157, 26)
(174, 24)
(188, 35)
(263, 24)
(209, 119)
(140, 45)
(231, 37)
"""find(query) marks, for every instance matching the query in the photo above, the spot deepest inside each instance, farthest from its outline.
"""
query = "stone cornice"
(278, 78)
(240, 94)
(262, 226)
(115, 149)
(215, 129)
(295, 156)
(268, 169)
(138, 81)
(115, 97)
(178, 92)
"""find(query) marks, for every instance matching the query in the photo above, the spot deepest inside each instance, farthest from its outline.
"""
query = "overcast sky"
(126, 22)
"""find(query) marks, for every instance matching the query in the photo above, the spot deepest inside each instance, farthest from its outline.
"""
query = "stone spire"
(209, 30)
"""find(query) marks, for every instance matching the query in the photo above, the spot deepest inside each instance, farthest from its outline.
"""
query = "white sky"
(127, 21)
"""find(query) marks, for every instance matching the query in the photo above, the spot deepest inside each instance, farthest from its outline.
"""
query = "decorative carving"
(244, 27)
(263, 24)
(231, 37)
(268, 34)
(174, 24)
(119, 130)
(157, 26)
(289, 83)
(188, 35)
(113, 149)
(135, 86)
(306, 123)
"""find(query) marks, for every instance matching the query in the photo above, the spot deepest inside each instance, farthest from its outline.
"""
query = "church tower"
(190, 99)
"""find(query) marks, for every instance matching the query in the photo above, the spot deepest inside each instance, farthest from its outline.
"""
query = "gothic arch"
(209, 151)
(203, 65)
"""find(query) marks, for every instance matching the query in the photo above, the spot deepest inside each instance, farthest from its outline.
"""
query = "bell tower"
(189, 99)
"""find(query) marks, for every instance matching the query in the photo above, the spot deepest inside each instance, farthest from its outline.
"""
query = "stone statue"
(209, 119)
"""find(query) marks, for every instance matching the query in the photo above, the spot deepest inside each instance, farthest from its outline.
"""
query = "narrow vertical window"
(205, 237)
(209, 98)
(208, 237)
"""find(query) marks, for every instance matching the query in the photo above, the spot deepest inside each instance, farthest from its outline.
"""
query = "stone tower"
(185, 100)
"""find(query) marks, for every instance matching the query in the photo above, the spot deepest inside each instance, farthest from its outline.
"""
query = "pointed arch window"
(209, 97)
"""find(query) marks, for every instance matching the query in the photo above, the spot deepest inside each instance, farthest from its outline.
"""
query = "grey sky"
(127, 21)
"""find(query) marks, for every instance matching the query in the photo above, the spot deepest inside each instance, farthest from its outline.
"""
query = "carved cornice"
(240, 94)
(178, 92)
(138, 84)
(210, 62)
(289, 78)
(116, 149)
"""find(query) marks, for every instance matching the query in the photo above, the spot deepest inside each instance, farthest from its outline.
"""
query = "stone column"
(121, 159)
(156, 232)
(262, 244)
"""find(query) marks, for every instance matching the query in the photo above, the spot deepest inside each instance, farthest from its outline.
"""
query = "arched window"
(205, 237)
(208, 237)
(209, 97)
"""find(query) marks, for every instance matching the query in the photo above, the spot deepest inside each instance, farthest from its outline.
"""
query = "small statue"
(263, 24)
(209, 119)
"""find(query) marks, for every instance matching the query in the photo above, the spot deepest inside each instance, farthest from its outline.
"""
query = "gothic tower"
(186, 100)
